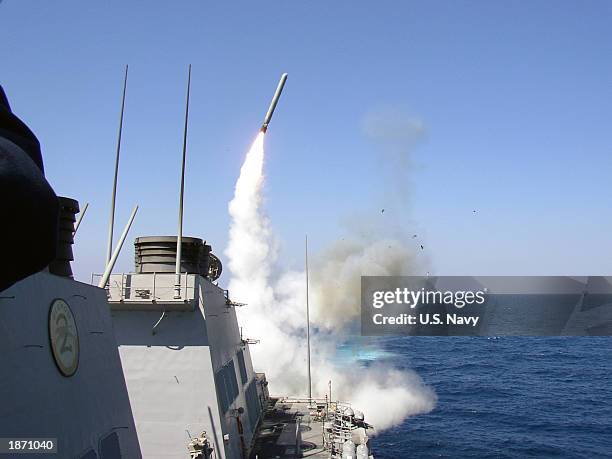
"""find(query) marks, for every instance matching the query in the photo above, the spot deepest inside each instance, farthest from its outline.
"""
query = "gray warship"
(149, 363)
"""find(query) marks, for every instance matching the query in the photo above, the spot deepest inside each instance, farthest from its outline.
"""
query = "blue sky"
(514, 98)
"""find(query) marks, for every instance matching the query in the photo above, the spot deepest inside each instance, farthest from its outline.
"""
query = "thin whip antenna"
(179, 239)
(308, 328)
(113, 260)
(81, 215)
(109, 250)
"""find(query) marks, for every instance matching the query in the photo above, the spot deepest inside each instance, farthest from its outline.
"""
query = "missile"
(279, 89)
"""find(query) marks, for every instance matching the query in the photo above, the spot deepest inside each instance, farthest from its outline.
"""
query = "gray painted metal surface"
(158, 254)
(173, 373)
(37, 400)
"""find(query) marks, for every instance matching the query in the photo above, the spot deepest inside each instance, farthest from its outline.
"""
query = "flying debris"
(279, 89)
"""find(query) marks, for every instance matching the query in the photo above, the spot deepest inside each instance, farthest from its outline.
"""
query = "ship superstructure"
(62, 377)
(63, 380)
(188, 370)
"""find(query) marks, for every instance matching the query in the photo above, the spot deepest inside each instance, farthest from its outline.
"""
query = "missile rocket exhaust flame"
(279, 90)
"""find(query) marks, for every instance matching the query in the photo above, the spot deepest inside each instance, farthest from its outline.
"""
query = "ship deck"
(290, 429)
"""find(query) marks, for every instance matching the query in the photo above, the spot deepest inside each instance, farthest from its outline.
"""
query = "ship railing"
(341, 430)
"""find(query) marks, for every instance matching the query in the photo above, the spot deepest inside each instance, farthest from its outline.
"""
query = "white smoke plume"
(373, 246)
(336, 276)
(276, 310)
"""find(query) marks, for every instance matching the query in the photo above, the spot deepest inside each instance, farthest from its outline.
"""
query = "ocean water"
(506, 397)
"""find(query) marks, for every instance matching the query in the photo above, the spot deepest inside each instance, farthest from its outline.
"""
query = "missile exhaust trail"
(279, 89)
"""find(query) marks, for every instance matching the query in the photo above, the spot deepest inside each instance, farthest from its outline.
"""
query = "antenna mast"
(111, 264)
(78, 222)
(179, 238)
(109, 250)
(308, 328)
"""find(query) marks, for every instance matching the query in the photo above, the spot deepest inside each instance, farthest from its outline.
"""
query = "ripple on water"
(507, 397)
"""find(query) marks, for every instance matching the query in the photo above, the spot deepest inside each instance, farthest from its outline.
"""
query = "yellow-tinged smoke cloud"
(276, 310)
